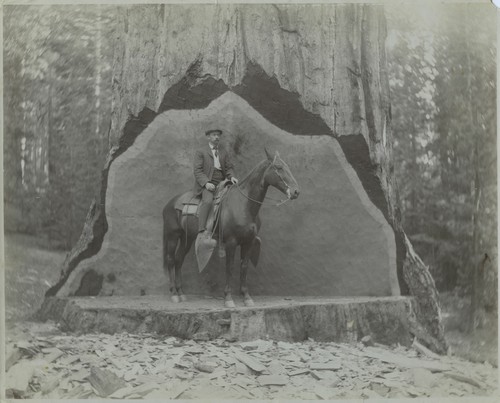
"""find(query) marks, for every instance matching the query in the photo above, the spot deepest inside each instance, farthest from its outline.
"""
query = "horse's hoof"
(229, 304)
(175, 299)
(249, 302)
(183, 298)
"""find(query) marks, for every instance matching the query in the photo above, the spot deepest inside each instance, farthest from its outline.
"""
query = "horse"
(239, 219)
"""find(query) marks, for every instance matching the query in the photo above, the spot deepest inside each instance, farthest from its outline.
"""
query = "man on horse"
(211, 165)
(239, 219)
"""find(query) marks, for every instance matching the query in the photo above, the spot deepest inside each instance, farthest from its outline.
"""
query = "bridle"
(280, 202)
(273, 165)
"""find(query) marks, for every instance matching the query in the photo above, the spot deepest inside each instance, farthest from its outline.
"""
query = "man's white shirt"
(216, 158)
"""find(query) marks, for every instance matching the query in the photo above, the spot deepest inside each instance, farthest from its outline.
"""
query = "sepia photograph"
(250, 201)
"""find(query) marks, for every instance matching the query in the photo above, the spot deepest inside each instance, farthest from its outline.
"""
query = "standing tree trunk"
(98, 80)
(330, 58)
(413, 224)
(477, 261)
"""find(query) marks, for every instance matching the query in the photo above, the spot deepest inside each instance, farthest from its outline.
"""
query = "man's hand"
(210, 186)
(234, 180)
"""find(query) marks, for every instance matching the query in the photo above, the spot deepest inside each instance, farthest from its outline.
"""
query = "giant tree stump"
(385, 319)
(311, 81)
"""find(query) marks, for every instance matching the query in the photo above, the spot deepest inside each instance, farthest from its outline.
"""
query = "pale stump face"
(331, 241)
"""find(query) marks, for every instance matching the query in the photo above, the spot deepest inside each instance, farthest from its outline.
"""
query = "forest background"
(442, 71)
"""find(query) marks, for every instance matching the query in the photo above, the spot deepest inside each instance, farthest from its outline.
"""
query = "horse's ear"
(268, 154)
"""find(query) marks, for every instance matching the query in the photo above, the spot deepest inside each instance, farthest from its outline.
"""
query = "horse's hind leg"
(245, 258)
(180, 254)
(169, 265)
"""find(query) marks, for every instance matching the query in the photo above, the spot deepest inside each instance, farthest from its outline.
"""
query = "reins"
(218, 221)
(280, 202)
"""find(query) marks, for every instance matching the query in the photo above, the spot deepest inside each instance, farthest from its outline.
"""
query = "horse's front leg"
(245, 257)
(230, 251)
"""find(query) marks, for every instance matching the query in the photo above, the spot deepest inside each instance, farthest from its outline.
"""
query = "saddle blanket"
(188, 203)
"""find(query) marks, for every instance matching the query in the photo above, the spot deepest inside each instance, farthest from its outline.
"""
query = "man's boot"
(203, 213)
(204, 244)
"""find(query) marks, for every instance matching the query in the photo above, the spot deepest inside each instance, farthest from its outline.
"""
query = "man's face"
(214, 138)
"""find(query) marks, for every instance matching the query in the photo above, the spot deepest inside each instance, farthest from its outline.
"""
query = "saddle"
(188, 203)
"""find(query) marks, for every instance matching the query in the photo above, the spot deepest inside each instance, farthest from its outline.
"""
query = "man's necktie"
(216, 152)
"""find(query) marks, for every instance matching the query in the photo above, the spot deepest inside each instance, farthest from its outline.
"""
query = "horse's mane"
(251, 174)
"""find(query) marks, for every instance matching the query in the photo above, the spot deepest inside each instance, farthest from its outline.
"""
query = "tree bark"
(476, 269)
(98, 79)
(342, 321)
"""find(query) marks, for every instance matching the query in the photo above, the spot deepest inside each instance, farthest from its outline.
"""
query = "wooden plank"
(105, 382)
(19, 376)
(121, 393)
(404, 362)
(53, 355)
(50, 384)
(278, 380)
(299, 372)
(464, 378)
(250, 362)
(12, 355)
(424, 350)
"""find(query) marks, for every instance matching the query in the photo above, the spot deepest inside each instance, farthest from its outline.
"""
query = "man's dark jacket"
(204, 167)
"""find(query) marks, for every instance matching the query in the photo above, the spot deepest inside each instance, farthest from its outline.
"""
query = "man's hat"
(213, 131)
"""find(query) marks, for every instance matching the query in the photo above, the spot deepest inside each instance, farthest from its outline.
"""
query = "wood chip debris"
(330, 365)
(204, 367)
(123, 366)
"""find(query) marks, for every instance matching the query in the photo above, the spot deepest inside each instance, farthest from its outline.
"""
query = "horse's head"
(278, 175)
